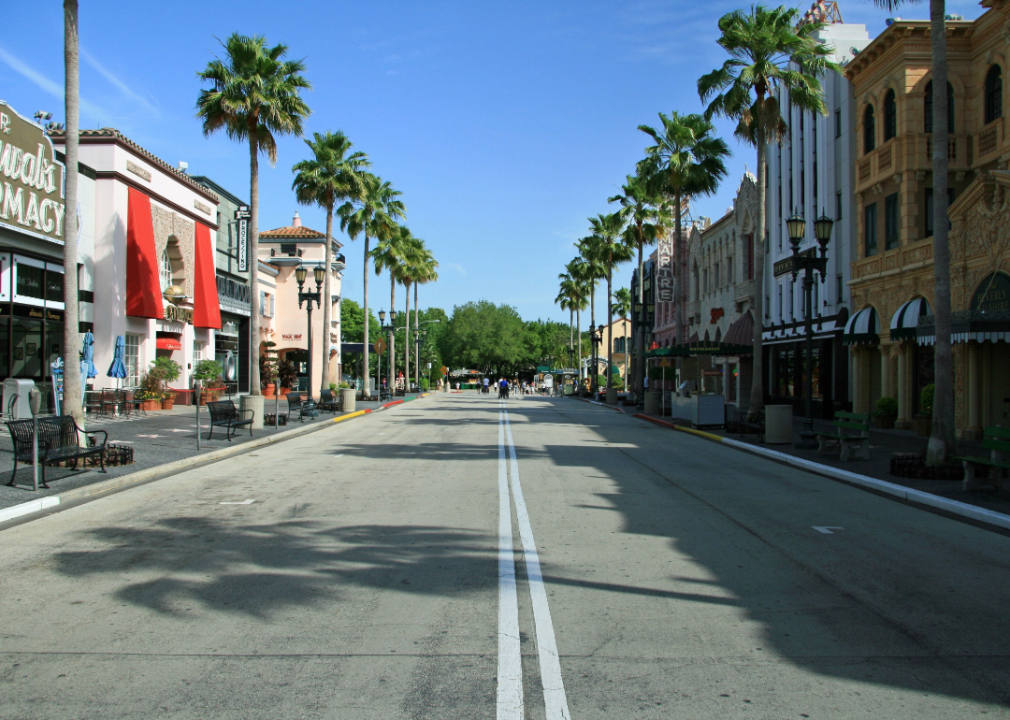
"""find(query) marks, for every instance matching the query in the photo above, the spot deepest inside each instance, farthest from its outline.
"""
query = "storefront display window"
(54, 343)
(29, 281)
(54, 287)
(26, 341)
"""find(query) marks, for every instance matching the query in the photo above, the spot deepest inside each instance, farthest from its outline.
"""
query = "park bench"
(997, 441)
(59, 441)
(223, 413)
(303, 403)
(329, 400)
(845, 422)
(384, 394)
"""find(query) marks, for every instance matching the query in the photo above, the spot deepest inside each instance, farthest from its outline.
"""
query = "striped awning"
(906, 319)
(863, 328)
(741, 332)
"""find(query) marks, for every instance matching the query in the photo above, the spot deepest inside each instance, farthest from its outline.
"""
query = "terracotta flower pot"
(167, 403)
(285, 391)
(268, 391)
(152, 405)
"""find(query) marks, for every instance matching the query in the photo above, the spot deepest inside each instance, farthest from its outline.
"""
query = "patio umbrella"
(88, 356)
(118, 368)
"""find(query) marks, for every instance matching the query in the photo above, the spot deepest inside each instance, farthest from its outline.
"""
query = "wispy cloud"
(457, 267)
(47, 85)
(119, 84)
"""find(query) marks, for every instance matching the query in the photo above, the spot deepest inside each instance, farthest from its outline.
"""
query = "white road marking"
(510, 671)
(244, 502)
(826, 529)
(149, 436)
(179, 430)
(340, 455)
(555, 699)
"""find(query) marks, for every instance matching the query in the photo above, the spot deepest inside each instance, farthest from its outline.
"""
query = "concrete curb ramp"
(919, 497)
(92, 492)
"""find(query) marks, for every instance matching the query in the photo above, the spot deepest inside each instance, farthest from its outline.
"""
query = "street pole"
(196, 396)
(808, 327)
(309, 313)
(35, 403)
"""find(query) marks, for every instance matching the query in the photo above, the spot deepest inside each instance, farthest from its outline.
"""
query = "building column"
(903, 420)
(885, 370)
(973, 431)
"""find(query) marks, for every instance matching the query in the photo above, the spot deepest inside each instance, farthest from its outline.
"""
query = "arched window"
(869, 130)
(165, 271)
(927, 119)
(993, 94)
(890, 116)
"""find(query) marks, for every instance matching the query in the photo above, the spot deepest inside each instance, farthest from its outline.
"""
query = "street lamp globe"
(797, 229)
(382, 317)
(822, 229)
(392, 317)
(319, 274)
(300, 272)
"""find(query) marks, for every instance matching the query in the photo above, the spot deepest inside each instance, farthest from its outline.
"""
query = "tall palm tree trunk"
(640, 331)
(417, 353)
(578, 326)
(254, 237)
(610, 330)
(324, 375)
(366, 371)
(757, 369)
(592, 326)
(942, 441)
(392, 333)
(680, 258)
(406, 338)
(72, 404)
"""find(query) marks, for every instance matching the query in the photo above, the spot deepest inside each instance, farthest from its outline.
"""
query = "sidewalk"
(883, 445)
(161, 437)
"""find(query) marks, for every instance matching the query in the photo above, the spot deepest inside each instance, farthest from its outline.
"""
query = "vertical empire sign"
(242, 216)
(664, 270)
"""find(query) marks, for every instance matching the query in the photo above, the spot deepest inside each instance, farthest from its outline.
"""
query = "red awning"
(143, 285)
(168, 344)
(206, 306)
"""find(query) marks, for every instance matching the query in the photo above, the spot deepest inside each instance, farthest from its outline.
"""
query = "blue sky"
(505, 125)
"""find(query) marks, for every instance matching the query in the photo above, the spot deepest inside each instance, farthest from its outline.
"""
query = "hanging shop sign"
(993, 294)
(31, 180)
(174, 313)
(664, 270)
(243, 215)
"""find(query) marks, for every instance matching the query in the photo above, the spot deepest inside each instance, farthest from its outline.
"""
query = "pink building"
(281, 251)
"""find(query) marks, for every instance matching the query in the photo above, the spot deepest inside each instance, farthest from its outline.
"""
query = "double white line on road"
(510, 678)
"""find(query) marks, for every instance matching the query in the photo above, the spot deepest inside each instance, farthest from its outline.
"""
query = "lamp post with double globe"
(318, 274)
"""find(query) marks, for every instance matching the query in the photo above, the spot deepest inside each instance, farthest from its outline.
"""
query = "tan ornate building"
(890, 330)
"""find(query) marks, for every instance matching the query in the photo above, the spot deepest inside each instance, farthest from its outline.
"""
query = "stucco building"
(892, 275)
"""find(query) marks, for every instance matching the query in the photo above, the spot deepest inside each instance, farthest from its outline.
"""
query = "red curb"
(611, 407)
(657, 421)
(389, 405)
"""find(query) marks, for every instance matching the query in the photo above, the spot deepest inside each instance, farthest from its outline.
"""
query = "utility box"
(778, 424)
(15, 401)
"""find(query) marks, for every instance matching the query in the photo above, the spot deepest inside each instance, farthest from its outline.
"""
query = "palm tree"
(686, 162)
(388, 255)
(593, 271)
(333, 173)
(72, 404)
(254, 95)
(425, 271)
(579, 293)
(612, 252)
(413, 250)
(646, 214)
(564, 301)
(943, 440)
(374, 213)
(770, 51)
(622, 306)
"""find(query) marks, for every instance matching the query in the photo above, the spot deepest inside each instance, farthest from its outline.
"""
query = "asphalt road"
(436, 561)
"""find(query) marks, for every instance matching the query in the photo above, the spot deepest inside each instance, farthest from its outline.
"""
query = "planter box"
(167, 403)
(883, 423)
(152, 405)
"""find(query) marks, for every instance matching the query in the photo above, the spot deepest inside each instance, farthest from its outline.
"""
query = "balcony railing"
(989, 140)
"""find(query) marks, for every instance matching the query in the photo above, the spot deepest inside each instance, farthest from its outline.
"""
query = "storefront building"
(892, 328)
(231, 342)
(284, 250)
(153, 258)
(812, 172)
(32, 213)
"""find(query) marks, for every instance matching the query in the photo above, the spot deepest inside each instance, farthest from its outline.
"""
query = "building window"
(891, 221)
(927, 119)
(730, 270)
(869, 130)
(780, 303)
(839, 288)
(993, 94)
(704, 280)
(197, 351)
(165, 270)
(717, 283)
(890, 116)
(131, 359)
(870, 229)
(838, 123)
(838, 206)
(289, 249)
(266, 304)
(792, 301)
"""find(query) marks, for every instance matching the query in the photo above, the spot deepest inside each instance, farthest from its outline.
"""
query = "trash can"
(347, 399)
(778, 424)
(651, 403)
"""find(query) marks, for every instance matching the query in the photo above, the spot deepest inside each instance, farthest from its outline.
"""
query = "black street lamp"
(809, 262)
(388, 329)
(597, 337)
(319, 274)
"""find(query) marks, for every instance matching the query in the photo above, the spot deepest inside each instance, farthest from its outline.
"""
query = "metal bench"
(996, 440)
(223, 413)
(847, 441)
(59, 441)
(303, 403)
(329, 400)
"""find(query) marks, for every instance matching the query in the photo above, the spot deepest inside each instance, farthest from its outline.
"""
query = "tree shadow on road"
(257, 570)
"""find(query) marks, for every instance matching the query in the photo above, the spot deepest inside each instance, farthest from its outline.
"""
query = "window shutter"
(263, 297)
(271, 306)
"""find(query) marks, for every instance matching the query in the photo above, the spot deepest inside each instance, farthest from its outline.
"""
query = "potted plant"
(212, 391)
(207, 372)
(287, 373)
(150, 389)
(165, 370)
(268, 369)
(886, 412)
(924, 420)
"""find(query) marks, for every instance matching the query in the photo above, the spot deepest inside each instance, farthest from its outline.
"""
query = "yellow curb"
(699, 433)
(348, 416)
